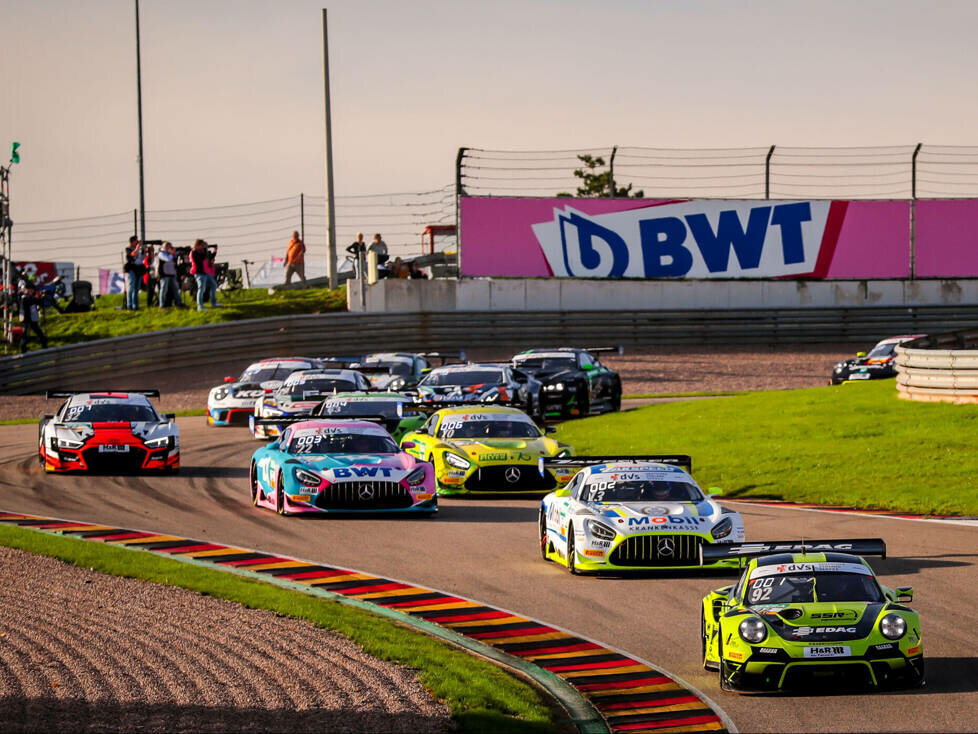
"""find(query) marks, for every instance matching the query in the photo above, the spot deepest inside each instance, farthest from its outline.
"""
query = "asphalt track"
(487, 550)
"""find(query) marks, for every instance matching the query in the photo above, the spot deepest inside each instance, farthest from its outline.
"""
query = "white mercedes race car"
(300, 393)
(233, 403)
(633, 513)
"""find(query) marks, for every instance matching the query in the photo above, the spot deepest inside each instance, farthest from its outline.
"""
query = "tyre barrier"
(942, 368)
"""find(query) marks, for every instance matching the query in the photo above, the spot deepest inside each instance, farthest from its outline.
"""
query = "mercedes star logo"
(366, 492)
(512, 475)
(666, 547)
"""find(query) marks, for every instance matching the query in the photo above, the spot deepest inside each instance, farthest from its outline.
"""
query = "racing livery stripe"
(632, 696)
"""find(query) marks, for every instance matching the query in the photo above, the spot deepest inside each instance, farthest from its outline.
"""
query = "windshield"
(881, 351)
(488, 429)
(640, 491)
(813, 586)
(389, 368)
(98, 412)
(265, 373)
(549, 364)
(315, 388)
(342, 443)
(463, 377)
(385, 408)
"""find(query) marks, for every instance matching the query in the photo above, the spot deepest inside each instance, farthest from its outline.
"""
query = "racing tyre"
(616, 399)
(571, 552)
(584, 401)
(721, 668)
(543, 536)
(253, 479)
(280, 494)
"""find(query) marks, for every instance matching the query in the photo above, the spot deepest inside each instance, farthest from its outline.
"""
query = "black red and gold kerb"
(632, 696)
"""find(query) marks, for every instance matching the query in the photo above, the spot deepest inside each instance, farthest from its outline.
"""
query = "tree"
(597, 182)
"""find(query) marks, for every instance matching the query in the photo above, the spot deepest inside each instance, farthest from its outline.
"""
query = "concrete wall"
(559, 294)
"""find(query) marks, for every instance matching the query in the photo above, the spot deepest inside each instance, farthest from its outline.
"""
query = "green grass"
(856, 445)
(482, 697)
(698, 394)
(107, 320)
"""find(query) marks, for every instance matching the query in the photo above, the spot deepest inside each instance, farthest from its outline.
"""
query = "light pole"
(139, 106)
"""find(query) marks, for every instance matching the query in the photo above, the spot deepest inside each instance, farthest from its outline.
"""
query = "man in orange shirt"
(295, 259)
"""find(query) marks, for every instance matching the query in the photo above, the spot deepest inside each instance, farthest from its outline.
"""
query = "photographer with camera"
(167, 271)
(202, 268)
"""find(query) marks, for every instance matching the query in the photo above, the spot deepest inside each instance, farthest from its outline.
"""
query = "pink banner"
(946, 242)
(642, 238)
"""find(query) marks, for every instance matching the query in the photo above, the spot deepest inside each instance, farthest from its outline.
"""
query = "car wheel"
(721, 668)
(280, 494)
(544, 542)
(584, 400)
(571, 552)
(616, 398)
(253, 478)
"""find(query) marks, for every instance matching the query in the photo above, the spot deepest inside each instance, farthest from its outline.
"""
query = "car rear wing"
(460, 356)
(682, 460)
(619, 350)
(50, 394)
(344, 362)
(857, 547)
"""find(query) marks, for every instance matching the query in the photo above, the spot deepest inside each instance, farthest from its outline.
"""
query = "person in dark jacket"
(30, 315)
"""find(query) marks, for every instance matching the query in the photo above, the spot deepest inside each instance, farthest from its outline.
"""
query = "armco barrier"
(939, 368)
(127, 359)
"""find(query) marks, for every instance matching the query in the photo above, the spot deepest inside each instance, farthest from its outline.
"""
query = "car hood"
(353, 467)
(820, 621)
(552, 375)
(143, 430)
(630, 518)
(502, 449)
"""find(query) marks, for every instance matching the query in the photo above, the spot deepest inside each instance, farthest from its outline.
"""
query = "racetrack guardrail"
(130, 358)
(939, 368)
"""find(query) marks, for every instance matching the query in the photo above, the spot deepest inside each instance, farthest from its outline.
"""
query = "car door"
(423, 439)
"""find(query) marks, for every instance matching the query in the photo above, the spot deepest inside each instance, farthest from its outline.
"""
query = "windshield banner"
(647, 238)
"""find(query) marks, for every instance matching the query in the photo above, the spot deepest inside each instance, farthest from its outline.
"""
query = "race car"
(327, 466)
(398, 413)
(108, 432)
(631, 513)
(482, 383)
(575, 383)
(301, 392)
(486, 450)
(399, 370)
(806, 610)
(232, 403)
(879, 363)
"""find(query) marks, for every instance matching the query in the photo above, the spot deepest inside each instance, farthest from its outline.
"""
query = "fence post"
(611, 171)
(302, 217)
(767, 173)
(459, 193)
(913, 212)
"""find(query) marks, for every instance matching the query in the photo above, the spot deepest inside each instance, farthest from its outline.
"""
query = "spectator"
(198, 256)
(167, 271)
(30, 315)
(415, 272)
(133, 269)
(380, 247)
(358, 249)
(295, 259)
(209, 273)
(150, 281)
(399, 268)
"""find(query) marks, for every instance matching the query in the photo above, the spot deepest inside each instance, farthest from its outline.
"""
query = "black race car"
(878, 364)
(575, 383)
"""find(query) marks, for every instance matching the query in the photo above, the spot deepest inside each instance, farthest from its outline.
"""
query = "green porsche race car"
(488, 449)
(809, 611)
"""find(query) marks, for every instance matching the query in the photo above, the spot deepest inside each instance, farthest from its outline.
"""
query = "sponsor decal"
(366, 493)
(493, 457)
(827, 651)
(768, 650)
(601, 543)
(733, 654)
(300, 498)
(512, 475)
(846, 615)
(424, 496)
(666, 547)
(455, 473)
(646, 521)
(789, 568)
(360, 471)
(808, 631)
(913, 650)
(594, 553)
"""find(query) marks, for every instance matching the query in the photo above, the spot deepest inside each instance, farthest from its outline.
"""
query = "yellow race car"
(488, 449)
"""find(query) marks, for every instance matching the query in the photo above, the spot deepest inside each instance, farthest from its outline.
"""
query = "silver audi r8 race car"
(233, 403)
(301, 392)
(632, 513)
(110, 432)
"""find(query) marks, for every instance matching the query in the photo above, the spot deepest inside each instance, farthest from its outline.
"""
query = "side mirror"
(587, 367)
(47, 416)
(549, 429)
(405, 445)
(170, 416)
(229, 379)
(715, 492)
(562, 492)
(904, 593)
(860, 354)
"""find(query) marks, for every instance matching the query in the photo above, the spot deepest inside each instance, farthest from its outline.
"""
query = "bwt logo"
(361, 471)
(703, 239)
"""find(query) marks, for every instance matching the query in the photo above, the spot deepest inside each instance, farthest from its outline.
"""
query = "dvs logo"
(700, 239)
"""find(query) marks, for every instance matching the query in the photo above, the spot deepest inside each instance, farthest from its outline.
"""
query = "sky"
(233, 90)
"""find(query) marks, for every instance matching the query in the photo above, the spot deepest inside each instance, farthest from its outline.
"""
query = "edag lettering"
(673, 246)
(361, 471)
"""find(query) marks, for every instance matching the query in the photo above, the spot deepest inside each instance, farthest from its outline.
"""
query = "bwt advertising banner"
(641, 238)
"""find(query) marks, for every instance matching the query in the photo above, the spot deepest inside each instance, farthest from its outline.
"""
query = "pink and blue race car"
(340, 466)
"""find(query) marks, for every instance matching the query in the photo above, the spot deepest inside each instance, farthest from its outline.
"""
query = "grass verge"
(856, 445)
(699, 394)
(107, 320)
(482, 697)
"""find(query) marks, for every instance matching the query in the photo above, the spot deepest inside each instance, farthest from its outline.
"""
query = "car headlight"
(396, 384)
(893, 626)
(70, 443)
(556, 387)
(416, 477)
(158, 443)
(600, 530)
(308, 478)
(722, 529)
(457, 461)
(753, 630)
(220, 393)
